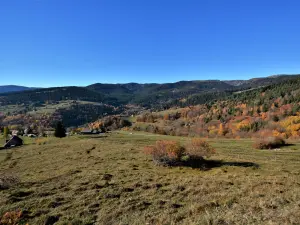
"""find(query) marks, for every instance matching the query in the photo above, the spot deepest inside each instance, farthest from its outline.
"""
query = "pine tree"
(60, 130)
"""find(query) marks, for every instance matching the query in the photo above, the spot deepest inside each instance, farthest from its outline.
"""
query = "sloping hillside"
(259, 82)
(273, 110)
(50, 94)
(109, 180)
(152, 94)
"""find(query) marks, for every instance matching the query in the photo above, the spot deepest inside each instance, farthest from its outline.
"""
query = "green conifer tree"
(60, 130)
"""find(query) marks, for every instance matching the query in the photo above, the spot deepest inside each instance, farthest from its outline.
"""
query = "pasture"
(109, 180)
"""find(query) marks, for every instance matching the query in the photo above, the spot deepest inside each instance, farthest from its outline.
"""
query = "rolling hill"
(150, 94)
(147, 95)
(259, 82)
(13, 88)
(268, 111)
(100, 98)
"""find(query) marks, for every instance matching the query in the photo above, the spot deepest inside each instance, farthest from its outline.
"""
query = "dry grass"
(109, 180)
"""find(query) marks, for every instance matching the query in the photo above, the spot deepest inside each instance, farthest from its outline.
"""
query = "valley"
(79, 106)
(182, 153)
(149, 112)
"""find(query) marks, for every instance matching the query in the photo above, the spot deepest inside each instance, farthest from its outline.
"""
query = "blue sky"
(78, 42)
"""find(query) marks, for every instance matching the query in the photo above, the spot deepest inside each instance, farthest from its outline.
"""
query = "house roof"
(15, 140)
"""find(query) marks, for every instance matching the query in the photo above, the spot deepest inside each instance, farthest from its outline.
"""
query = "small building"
(14, 141)
(15, 132)
(90, 131)
(31, 135)
(86, 131)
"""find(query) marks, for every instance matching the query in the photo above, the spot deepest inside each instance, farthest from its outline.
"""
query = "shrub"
(199, 148)
(166, 152)
(172, 153)
(41, 141)
(269, 143)
(7, 181)
(11, 218)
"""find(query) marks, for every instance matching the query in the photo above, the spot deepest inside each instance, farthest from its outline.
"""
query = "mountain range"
(136, 87)
(149, 95)
(13, 88)
(79, 105)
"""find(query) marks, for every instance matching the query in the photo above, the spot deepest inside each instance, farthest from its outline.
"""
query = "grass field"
(109, 180)
(46, 108)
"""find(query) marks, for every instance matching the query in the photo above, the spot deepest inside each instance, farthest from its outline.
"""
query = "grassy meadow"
(109, 180)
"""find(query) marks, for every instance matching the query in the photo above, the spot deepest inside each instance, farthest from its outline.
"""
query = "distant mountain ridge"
(13, 88)
(135, 87)
(150, 95)
(262, 81)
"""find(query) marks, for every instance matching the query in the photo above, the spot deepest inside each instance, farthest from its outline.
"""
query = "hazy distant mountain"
(149, 95)
(263, 81)
(13, 88)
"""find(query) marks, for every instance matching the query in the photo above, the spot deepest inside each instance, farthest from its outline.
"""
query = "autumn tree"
(167, 116)
(221, 131)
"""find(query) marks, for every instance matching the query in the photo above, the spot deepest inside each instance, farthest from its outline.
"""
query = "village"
(14, 138)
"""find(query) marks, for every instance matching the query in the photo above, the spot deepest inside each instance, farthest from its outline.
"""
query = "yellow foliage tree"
(221, 131)
(167, 116)
(292, 126)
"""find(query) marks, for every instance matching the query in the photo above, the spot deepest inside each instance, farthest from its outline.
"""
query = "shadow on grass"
(204, 164)
(278, 147)
(288, 144)
(93, 137)
(274, 147)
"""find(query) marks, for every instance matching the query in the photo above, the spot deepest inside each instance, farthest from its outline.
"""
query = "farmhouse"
(89, 131)
(14, 141)
(86, 131)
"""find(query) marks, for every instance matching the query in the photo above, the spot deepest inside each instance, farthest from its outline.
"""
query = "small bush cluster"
(11, 218)
(269, 143)
(199, 148)
(171, 153)
(110, 123)
(41, 141)
(166, 152)
(6, 181)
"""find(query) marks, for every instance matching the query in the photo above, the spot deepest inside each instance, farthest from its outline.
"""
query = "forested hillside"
(50, 95)
(219, 101)
(150, 95)
(268, 111)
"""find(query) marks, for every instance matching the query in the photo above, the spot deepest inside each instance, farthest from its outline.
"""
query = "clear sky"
(78, 42)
